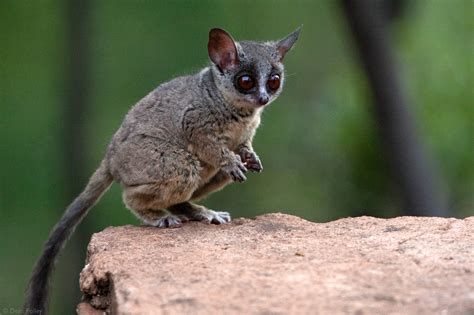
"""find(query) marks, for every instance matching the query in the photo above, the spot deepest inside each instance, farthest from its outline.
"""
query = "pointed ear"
(222, 49)
(284, 45)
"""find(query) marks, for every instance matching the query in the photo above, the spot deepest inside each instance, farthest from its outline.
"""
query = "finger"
(239, 176)
(255, 166)
(242, 167)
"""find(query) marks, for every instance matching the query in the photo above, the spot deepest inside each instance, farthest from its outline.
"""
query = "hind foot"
(211, 216)
(168, 221)
(199, 213)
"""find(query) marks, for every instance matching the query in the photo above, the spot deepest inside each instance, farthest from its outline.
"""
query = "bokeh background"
(70, 70)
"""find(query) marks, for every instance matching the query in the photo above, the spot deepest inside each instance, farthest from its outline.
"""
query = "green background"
(318, 142)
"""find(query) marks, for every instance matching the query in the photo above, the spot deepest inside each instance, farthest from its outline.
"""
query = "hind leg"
(158, 218)
(196, 212)
(155, 175)
(216, 183)
(148, 202)
(148, 208)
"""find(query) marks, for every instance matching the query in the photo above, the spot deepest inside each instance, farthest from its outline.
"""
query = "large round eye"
(273, 82)
(246, 82)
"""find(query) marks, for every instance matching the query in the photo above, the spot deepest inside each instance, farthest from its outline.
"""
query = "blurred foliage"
(318, 142)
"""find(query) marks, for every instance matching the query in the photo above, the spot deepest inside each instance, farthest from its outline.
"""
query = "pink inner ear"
(282, 50)
(284, 47)
(229, 58)
(222, 50)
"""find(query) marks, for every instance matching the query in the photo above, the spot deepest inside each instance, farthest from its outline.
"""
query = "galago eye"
(273, 82)
(246, 82)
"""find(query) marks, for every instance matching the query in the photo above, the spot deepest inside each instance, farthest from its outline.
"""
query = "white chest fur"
(241, 132)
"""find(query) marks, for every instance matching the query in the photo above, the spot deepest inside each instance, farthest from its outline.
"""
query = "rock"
(281, 264)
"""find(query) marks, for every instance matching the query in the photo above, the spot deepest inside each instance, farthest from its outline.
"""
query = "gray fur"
(191, 132)
(186, 139)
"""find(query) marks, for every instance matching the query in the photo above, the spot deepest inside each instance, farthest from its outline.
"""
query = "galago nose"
(263, 99)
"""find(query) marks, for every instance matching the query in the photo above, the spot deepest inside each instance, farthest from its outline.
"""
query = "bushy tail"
(37, 292)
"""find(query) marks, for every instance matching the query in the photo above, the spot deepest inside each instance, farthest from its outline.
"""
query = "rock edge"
(281, 264)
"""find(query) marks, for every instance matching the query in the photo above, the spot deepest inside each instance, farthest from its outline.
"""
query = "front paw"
(251, 160)
(236, 170)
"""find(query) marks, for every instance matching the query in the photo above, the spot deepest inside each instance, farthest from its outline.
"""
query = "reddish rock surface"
(281, 264)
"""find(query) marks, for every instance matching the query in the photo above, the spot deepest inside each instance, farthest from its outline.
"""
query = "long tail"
(37, 292)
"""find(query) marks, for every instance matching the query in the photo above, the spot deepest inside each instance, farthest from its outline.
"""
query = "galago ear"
(284, 45)
(222, 49)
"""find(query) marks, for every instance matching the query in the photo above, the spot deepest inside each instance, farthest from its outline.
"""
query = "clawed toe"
(217, 217)
(221, 217)
(169, 221)
(187, 211)
(214, 217)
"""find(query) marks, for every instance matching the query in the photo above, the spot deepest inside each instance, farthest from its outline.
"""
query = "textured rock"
(280, 264)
